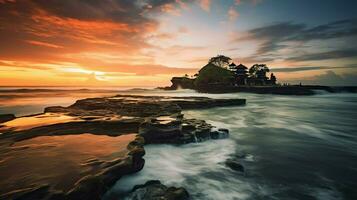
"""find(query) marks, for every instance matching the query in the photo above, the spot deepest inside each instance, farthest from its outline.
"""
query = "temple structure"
(256, 75)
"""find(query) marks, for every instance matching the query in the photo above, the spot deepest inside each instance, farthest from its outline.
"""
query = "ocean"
(291, 147)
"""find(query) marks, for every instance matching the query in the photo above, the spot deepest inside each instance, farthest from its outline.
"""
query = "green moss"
(212, 74)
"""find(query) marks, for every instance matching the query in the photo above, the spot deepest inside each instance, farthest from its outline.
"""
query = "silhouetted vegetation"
(213, 74)
(220, 61)
(220, 70)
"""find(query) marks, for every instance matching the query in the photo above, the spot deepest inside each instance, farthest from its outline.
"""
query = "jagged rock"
(154, 190)
(141, 106)
(175, 130)
(234, 165)
(155, 130)
(220, 133)
(181, 82)
(223, 130)
(157, 119)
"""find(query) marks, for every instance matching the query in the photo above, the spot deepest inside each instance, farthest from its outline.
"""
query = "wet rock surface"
(155, 190)
(156, 119)
(141, 106)
(178, 130)
(67, 167)
(234, 165)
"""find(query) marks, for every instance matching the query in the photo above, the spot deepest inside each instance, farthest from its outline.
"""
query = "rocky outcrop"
(182, 82)
(141, 106)
(93, 187)
(155, 190)
(234, 165)
(177, 130)
(93, 184)
(219, 88)
(157, 119)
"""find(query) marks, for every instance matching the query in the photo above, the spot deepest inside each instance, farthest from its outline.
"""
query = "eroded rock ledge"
(61, 176)
(156, 119)
(154, 190)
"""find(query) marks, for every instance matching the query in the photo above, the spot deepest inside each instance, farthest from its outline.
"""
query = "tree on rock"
(220, 61)
(214, 75)
(259, 71)
(258, 74)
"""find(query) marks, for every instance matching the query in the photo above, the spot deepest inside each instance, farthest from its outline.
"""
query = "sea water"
(291, 147)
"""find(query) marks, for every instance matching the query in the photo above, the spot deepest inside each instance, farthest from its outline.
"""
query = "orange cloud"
(106, 42)
(97, 32)
(45, 44)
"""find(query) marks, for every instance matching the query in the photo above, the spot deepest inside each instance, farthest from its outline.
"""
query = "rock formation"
(156, 119)
(154, 190)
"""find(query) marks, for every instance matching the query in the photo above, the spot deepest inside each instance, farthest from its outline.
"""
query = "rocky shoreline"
(187, 83)
(155, 119)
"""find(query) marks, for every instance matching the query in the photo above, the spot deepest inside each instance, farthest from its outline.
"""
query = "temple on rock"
(222, 74)
(256, 75)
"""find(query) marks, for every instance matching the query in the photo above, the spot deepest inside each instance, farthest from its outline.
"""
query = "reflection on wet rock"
(79, 151)
(49, 166)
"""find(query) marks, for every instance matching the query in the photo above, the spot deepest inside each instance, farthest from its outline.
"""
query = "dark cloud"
(48, 30)
(330, 78)
(310, 68)
(125, 11)
(276, 36)
(273, 35)
(298, 69)
(348, 53)
(337, 29)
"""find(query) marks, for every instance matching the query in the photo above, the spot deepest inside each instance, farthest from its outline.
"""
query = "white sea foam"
(172, 164)
(198, 167)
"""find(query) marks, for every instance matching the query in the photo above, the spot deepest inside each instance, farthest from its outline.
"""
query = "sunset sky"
(146, 42)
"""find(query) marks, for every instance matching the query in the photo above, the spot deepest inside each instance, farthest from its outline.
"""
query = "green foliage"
(212, 74)
(259, 71)
(220, 60)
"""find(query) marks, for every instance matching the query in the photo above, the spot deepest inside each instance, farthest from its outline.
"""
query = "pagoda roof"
(241, 66)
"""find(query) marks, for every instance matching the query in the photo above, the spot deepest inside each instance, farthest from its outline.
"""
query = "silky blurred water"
(292, 147)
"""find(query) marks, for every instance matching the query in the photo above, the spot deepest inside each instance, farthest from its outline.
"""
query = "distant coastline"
(281, 90)
(221, 75)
